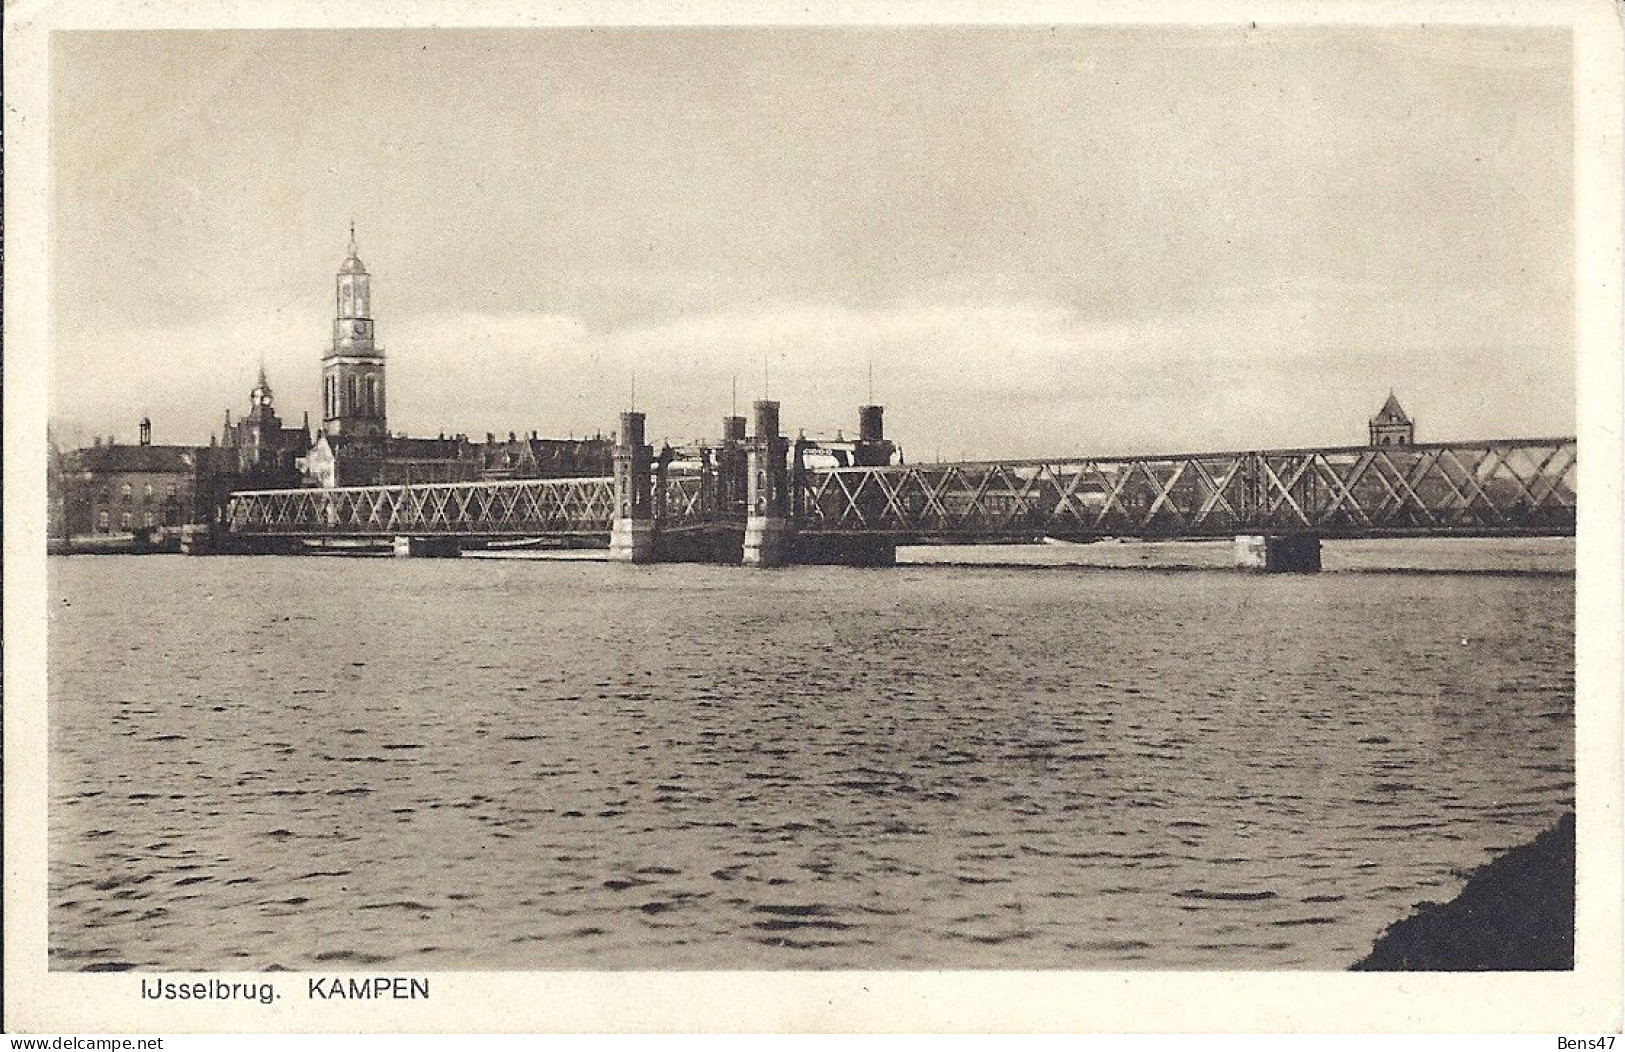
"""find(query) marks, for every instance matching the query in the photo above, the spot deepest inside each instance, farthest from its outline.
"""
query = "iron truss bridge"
(1502, 487)
(1513, 487)
(532, 508)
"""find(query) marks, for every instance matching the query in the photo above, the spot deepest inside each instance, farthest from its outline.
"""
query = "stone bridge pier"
(767, 515)
(1291, 553)
(631, 535)
(427, 547)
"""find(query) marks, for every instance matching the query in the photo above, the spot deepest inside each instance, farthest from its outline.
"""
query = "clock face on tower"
(358, 328)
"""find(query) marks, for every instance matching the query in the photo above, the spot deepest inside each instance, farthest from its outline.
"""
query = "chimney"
(512, 437)
(97, 442)
(490, 439)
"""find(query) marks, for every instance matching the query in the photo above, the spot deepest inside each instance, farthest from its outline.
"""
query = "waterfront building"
(109, 488)
(1391, 426)
(113, 488)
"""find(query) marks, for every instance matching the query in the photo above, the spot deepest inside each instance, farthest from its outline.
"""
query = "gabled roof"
(178, 459)
(424, 448)
(1391, 412)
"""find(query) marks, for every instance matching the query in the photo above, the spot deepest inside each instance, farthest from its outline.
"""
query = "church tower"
(353, 370)
(1392, 426)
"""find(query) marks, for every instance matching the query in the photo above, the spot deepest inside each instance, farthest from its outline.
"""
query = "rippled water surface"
(325, 763)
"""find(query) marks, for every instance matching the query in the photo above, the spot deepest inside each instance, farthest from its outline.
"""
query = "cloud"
(989, 377)
(994, 377)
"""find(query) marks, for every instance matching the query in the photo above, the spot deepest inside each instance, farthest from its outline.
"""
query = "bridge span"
(754, 500)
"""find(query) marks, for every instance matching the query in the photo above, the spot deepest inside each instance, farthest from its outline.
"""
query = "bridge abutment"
(427, 548)
(198, 538)
(767, 521)
(632, 534)
(1292, 553)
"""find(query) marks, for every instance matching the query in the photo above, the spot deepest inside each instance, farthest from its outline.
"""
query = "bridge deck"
(1481, 488)
(529, 508)
(1469, 489)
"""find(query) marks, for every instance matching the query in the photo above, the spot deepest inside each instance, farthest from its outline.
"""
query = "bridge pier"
(832, 550)
(632, 534)
(767, 520)
(427, 548)
(1292, 553)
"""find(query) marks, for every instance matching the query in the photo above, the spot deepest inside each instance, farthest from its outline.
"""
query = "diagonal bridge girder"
(1513, 486)
(528, 508)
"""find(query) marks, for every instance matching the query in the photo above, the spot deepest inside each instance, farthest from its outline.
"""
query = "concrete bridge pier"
(1292, 553)
(632, 535)
(767, 519)
(427, 548)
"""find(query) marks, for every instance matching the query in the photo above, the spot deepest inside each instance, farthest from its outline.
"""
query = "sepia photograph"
(1033, 497)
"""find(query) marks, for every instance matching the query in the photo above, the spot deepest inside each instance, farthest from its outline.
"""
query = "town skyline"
(1091, 240)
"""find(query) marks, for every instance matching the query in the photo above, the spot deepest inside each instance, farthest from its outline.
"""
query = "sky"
(1039, 241)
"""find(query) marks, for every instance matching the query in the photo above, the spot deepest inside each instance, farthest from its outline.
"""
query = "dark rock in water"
(1516, 914)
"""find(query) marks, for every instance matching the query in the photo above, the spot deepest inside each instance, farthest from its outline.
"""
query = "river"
(327, 763)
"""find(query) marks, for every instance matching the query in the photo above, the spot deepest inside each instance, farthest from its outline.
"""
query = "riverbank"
(1516, 914)
(145, 543)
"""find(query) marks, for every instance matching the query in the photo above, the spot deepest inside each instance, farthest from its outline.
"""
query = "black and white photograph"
(675, 495)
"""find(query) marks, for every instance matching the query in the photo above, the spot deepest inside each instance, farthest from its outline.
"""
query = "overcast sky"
(1043, 241)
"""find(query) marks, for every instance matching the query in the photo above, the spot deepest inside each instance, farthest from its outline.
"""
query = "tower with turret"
(353, 368)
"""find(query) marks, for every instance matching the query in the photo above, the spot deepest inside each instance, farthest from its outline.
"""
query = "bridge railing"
(1470, 488)
(530, 507)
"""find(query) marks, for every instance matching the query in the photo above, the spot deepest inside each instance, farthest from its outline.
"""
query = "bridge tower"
(872, 450)
(733, 470)
(631, 536)
(353, 368)
(767, 515)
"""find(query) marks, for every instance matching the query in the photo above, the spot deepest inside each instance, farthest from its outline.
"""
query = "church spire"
(353, 370)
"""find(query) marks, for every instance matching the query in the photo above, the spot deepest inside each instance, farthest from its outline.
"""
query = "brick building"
(109, 488)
